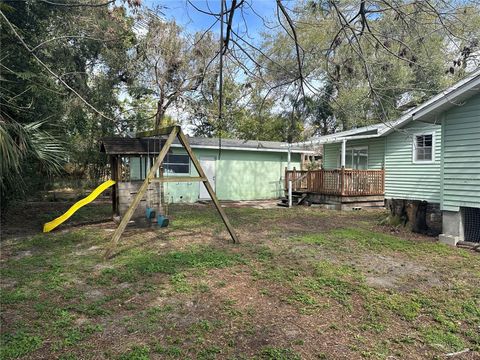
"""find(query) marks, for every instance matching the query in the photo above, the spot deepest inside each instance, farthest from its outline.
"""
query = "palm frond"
(20, 142)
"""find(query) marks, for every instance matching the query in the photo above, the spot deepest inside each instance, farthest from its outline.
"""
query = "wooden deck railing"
(340, 182)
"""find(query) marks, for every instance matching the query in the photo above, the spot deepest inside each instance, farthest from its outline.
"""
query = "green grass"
(273, 353)
(438, 337)
(363, 239)
(138, 263)
(180, 283)
(136, 353)
(338, 281)
(174, 352)
(9, 297)
(18, 344)
(316, 239)
(325, 278)
(162, 298)
(203, 326)
(89, 213)
(209, 353)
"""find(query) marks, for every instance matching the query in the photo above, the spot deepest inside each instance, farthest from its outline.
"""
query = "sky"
(258, 16)
(253, 15)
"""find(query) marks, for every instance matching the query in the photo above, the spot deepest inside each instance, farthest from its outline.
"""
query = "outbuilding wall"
(239, 175)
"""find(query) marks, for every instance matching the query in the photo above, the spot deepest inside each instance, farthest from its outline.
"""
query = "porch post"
(114, 177)
(289, 156)
(342, 172)
(289, 193)
(289, 161)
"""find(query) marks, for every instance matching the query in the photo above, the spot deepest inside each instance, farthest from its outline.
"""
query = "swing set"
(173, 132)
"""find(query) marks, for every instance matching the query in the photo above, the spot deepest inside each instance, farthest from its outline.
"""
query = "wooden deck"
(338, 182)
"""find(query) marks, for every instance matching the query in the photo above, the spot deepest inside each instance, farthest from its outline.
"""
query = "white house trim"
(414, 141)
(296, 151)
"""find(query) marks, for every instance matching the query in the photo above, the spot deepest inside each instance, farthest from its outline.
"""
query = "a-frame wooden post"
(136, 201)
(196, 163)
(175, 132)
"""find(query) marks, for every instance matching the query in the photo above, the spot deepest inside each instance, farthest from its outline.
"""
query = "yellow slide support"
(47, 227)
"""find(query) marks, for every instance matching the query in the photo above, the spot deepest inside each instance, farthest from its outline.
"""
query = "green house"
(430, 158)
(240, 170)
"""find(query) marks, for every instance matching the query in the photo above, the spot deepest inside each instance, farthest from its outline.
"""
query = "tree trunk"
(160, 115)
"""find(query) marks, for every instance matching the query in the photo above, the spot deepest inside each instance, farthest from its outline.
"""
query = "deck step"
(297, 199)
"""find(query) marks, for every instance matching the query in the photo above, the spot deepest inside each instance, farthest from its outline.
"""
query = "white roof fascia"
(445, 97)
(306, 151)
(343, 134)
(348, 138)
(450, 98)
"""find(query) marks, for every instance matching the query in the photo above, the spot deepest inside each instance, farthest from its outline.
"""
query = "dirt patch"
(255, 204)
(395, 273)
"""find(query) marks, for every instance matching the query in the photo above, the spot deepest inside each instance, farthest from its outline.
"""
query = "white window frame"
(350, 148)
(414, 147)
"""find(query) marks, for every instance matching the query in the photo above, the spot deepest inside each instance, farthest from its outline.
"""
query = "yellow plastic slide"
(47, 227)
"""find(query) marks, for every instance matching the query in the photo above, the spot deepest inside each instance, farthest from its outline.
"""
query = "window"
(355, 158)
(176, 164)
(423, 147)
(172, 164)
(136, 168)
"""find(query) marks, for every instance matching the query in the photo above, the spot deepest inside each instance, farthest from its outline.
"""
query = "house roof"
(362, 132)
(130, 146)
(428, 112)
(248, 145)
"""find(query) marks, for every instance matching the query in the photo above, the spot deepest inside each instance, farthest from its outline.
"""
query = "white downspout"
(344, 151)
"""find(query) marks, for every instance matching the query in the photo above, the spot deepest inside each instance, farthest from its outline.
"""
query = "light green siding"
(405, 179)
(461, 162)
(239, 175)
(331, 157)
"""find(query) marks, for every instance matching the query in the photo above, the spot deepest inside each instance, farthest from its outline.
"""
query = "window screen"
(471, 223)
(423, 147)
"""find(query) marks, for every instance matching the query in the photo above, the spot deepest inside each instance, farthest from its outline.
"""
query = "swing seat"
(150, 213)
(162, 221)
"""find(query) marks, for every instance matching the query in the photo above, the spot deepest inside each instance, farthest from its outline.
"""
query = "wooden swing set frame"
(173, 132)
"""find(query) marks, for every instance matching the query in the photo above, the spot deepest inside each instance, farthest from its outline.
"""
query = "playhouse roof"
(142, 146)
(130, 146)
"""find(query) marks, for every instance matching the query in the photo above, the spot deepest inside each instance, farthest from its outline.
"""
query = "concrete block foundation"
(452, 231)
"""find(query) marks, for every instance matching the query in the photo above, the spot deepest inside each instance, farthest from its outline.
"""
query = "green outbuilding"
(236, 169)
